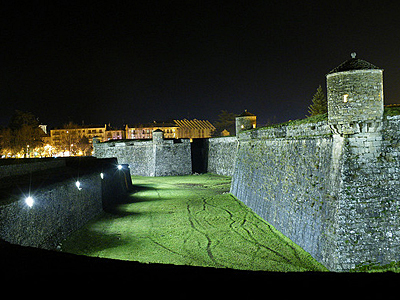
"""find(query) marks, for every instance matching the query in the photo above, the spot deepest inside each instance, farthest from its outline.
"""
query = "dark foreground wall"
(15, 167)
(59, 207)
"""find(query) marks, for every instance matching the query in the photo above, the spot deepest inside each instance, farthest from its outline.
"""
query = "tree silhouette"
(319, 104)
(23, 133)
(226, 120)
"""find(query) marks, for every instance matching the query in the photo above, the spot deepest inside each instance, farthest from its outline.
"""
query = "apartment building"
(77, 140)
(176, 129)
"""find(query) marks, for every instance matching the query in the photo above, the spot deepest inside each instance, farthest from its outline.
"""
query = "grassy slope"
(189, 220)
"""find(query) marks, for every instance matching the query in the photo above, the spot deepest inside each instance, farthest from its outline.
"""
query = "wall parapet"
(307, 130)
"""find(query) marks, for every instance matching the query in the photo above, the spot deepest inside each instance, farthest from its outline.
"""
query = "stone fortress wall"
(330, 186)
(58, 207)
(156, 157)
(335, 196)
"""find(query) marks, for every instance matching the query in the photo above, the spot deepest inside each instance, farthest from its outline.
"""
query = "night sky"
(139, 61)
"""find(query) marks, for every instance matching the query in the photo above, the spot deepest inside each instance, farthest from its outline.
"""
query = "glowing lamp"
(78, 185)
(29, 201)
(119, 167)
(102, 175)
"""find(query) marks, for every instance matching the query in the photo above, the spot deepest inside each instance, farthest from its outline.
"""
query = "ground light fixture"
(29, 201)
(78, 184)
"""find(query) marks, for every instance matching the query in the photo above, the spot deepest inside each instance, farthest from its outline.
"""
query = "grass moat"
(188, 220)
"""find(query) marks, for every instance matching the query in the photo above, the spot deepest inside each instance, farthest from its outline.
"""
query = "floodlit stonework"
(329, 184)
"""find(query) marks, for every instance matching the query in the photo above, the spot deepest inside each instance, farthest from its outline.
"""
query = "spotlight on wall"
(78, 185)
(102, 175)
(29, 201)
(119, 167)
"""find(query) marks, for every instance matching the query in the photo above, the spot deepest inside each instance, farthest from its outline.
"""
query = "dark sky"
(139, 61)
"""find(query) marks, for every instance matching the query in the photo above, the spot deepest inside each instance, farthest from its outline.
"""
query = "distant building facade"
(78, 140)
(176, 129)
(114, 134)
(145, 131)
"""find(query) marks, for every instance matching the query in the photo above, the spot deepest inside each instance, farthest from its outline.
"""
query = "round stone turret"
(355, 96)
(158, 136)
(245, 121)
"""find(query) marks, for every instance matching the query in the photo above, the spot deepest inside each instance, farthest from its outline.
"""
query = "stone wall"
(15, 167)
(288, 182)
(59, 207)
(369, 201)
(221, 155)
(355, 96)
(149, 158)
(172, 157)
(335, 196)
(139, 155)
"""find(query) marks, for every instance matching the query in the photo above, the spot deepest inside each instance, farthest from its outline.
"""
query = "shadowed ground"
(188, 220)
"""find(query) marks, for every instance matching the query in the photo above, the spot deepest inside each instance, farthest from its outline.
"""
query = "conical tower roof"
(246, 114)
(354, 64)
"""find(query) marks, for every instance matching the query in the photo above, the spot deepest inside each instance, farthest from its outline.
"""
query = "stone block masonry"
(15, 167)
(349, 104)
(330, 186)
(288, 182)
(222, 155)
(335, 196)
(59, 207)
(158, 157)
(369, 202)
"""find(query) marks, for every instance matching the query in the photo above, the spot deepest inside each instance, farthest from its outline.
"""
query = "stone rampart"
(137, 154)
(369, 202)
(172, 157)
(59, 207)
(288, 182)
(15, 167)
(149, 158)
(222, 155)
(334, 195)
(333, 192)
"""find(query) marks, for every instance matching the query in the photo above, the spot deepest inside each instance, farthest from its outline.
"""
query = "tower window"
(345, 98)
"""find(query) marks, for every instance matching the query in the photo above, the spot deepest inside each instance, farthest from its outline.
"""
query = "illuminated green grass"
(189, 220)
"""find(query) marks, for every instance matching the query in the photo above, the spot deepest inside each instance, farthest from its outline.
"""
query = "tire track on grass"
(271, 231)
(251, 239)
(192, 221)
(209, 241)
(169, 249)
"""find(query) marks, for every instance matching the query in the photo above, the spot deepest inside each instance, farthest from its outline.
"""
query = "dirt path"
(188, 220)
